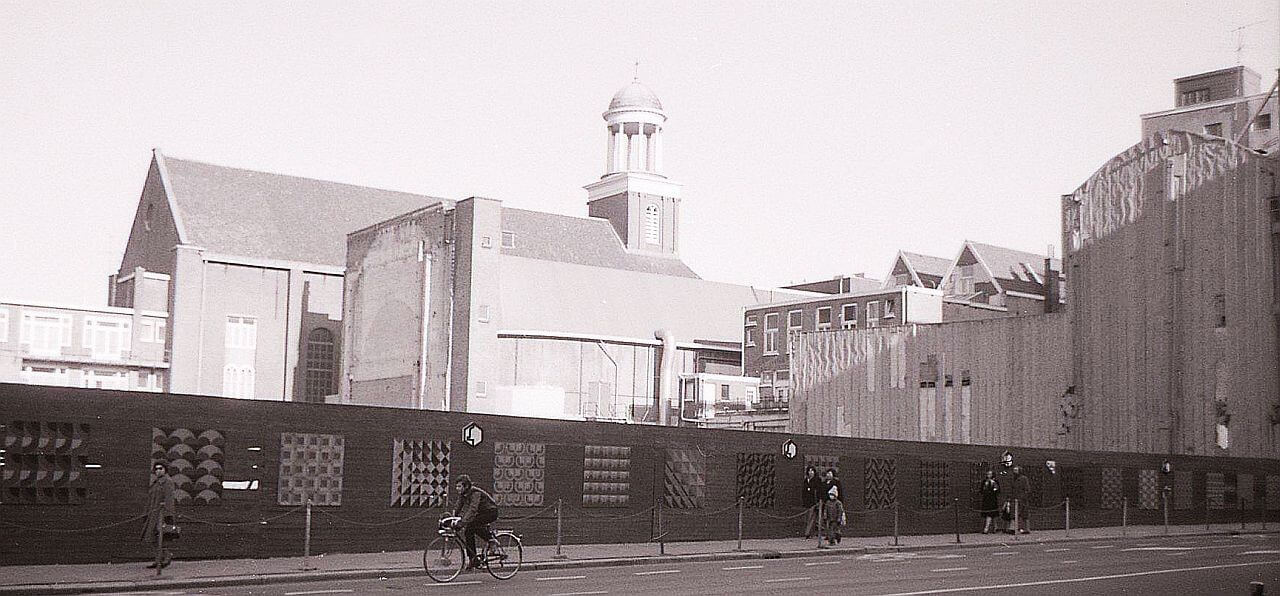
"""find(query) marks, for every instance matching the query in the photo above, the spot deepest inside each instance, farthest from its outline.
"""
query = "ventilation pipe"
(666, 373)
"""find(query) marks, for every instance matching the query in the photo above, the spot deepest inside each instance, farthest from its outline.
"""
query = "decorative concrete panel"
(1273, 492)
(1215, 490)
(1148, 489)
(934, 493)
(880, 483)
(419, 473)
(519, 474)
(194, 458)
(1183, 494)
(757, 479)
(1112, 488)
(310, 466)
(606, 476)
(44, 462)
(684, 481)
(823, 463)
(1073, 487)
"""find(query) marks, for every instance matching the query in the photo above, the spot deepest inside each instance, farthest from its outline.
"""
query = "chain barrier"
(696, 514)
(1047, 507)
(616, 517)
(532, 515)
(371, 524)
(244, 523)
(73, 531)
(804, 511)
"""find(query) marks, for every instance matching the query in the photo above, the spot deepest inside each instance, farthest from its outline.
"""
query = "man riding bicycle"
(475, 510)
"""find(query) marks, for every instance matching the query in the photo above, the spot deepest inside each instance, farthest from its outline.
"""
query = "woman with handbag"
(990, 502)
(160, 510)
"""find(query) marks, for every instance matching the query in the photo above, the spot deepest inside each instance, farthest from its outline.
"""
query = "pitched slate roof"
(925, 264)
(580, 240)
(273, 216)
(1010, 267)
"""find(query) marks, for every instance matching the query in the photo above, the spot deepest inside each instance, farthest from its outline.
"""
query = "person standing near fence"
(1022, 498)
(813, 487)
(160, 510)
(832, 506)
(990, 491)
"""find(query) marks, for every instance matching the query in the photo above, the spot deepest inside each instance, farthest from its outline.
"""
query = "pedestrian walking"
(160, 511)
(833, 506)
(812, 490)
(990, 491)
(1022, 498)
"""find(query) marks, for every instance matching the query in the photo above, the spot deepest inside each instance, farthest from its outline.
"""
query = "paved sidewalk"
(106, 577)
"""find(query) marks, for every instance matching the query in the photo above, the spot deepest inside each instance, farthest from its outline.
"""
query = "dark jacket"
(1021, 489)
(473, 502)
(826, 490)
(812, 488)
(160, 505)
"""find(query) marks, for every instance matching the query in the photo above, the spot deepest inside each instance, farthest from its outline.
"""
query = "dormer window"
(652, 225)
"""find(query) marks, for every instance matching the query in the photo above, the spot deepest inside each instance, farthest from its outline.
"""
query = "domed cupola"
(635, 120)
(636, 96)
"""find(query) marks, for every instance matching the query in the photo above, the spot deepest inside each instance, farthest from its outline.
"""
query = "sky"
(813, 139)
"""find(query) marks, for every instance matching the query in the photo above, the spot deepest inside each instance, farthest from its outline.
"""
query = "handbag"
(1006, 513)
(170, 532)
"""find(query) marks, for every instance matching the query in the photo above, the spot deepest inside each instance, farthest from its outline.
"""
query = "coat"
(160, 505)
(812, 488)
(990, 497)
(1021, 489)
(472, 503)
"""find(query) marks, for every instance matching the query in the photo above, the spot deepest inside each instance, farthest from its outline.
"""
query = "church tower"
(634, 195)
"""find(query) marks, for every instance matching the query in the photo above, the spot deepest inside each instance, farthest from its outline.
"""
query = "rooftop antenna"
(637, 77)
(1240, 45)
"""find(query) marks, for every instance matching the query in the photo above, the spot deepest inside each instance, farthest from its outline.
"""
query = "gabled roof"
(580, 240)
(925, 264)
(1007, 263)
(273, 216)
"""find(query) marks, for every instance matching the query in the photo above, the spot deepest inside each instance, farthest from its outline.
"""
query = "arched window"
(652, 225)
(319, 378)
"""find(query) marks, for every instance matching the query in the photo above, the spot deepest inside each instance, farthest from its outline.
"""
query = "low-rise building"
(1223, 103)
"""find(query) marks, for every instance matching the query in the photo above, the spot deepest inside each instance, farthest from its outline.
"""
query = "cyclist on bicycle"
(475, 510)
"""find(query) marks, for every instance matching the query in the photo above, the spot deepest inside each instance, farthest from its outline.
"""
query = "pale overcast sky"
(813, 139)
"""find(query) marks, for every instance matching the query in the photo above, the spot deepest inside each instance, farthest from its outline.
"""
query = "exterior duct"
(666, 373)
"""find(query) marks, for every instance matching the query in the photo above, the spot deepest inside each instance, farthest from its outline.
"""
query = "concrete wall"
(920, 477)
(995, 382)
(1171, 256)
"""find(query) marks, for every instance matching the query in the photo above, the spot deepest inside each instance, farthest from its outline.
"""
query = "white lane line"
(659, 572)
(822, 563)
(466, 583)
(1050, 582)
(741, 567)
(551, 579)
(950, 556)
(1169, 548)
(318, 592)
(1261, 552)
(1004, 552)
(1069, 561)
(949, 569)
(788, 579)
(1103, 546)
(1056, 550)
(580, 593)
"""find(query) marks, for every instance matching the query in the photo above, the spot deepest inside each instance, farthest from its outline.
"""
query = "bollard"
(1240, 507)
(1206, 515)
(1016, 513)
(1257, 589)
(662, 547)
(1124, 516)
(955, 501)
(558, 555)
(740, 500)
(306, 541)
(159, 543)
(895, 523)
(1164, 497)
(1068, 509)
(821, 523)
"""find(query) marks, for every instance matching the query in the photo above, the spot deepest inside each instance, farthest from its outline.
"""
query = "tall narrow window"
(795, 323)
(652, 225)
(849, 315)
(771, 333)
(241, 349)
(873, 313)
(749, 332)
(320, 365)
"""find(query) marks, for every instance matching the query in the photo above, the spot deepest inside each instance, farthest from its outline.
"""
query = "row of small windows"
(875, 311)
(1260, 123)
(61, 376)
(107, 338)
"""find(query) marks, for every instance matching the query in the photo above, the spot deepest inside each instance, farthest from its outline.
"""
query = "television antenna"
(1240, 45)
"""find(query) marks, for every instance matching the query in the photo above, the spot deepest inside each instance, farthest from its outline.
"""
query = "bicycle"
(446, 557)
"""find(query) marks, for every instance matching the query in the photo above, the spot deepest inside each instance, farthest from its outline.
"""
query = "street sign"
(472, 434)
(1166, 467)
(1006, 460)
(1052, 465)
(789, 449)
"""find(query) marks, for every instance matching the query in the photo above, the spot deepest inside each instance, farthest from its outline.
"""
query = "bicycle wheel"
(444, 558)
(503, 555)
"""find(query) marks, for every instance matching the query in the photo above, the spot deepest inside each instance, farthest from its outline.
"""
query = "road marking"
(822, 563)
(659, 572)
(788, 579)
(950, 556)
(579, 593)
(949, 569)
(1069, 561)
(1050, 582)
(740, 567)
(551, 579)
(318, 592)
(1005, 552)
(466, 583)
(1103, 546)
(1261, 552)
(1168, 548)
(1056, 550)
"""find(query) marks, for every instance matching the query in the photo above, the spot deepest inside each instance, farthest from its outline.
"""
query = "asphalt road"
(1192, 565)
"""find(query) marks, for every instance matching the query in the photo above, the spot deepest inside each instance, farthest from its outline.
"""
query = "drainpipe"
(666, 373)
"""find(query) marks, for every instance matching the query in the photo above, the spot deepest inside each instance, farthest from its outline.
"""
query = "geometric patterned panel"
(606, 476)
(1273, 492)
(44, 462)
(880, 483)
(1182, 493)
(419, 473)
(1148, 489)
(684, 484)
(1112, 488)
(822, 463)
(1244, 490)
(1215, 490)
(933, 485)
(310, 466)
(1073, 486)
(195, 462)
(756, 479)
(518, 474)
